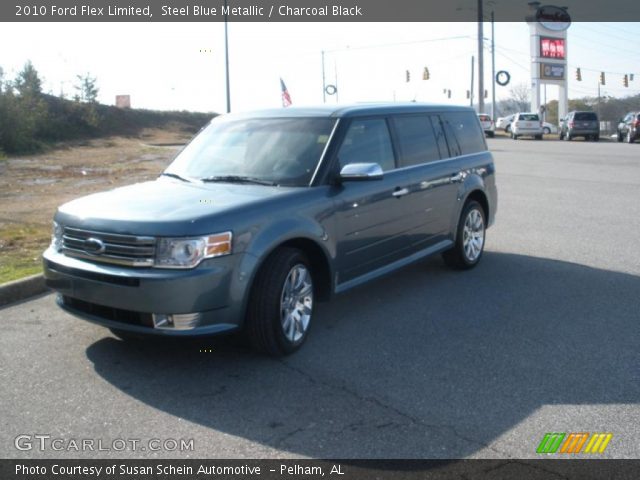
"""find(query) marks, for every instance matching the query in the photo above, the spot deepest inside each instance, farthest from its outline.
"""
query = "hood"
(160, 207)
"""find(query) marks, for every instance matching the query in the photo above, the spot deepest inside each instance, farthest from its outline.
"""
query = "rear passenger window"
(417, 140)
(464, 133)
(367, 141)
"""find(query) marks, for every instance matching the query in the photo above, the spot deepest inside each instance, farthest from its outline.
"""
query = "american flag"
(286, 98)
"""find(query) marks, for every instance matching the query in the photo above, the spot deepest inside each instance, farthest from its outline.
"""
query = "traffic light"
(408, 76)
(602, 79)
(625, 80)
(425, 74)
(578, 75)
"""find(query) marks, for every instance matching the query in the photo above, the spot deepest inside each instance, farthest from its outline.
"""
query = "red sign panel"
(552, 47)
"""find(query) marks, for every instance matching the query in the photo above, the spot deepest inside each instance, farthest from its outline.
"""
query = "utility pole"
(226, 55)
(473, 59)
(480, 58)
(324, 82)
(493, 68)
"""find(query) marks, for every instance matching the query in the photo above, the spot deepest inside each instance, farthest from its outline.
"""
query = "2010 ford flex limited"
(264, 214)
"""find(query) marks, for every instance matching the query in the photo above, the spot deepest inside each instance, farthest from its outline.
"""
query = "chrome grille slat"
(131, 250)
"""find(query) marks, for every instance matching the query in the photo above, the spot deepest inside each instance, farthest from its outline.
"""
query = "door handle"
(400, 192)
(456, 178)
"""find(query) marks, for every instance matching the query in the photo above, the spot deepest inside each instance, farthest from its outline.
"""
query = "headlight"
(189, 252)
(56, 236)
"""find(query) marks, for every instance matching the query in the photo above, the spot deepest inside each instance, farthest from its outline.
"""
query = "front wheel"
(281, 303)
(470, 238)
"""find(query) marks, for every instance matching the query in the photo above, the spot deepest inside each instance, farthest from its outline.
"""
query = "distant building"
(123, 101)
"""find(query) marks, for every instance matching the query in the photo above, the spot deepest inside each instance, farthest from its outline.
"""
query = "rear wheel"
(281, 303)
(546, 130)
(467, 251)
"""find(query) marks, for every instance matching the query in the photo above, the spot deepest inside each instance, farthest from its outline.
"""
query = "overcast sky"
(181, 65)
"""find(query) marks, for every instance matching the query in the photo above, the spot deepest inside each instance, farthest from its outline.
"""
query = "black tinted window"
(367, 141)
(529, 117)
(466, 133)
(585, 116)
(417, 140)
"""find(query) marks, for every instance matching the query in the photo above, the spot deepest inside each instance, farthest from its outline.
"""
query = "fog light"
(162, 321)
(184, 321)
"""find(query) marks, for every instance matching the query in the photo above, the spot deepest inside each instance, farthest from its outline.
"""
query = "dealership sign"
(552, 71)
(553, 18)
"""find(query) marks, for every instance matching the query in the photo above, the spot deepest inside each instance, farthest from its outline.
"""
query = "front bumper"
(127, 298)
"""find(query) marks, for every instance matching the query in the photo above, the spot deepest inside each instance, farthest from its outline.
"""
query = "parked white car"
(504, 123)
(487, 124)
(548, 128)
(526, 124)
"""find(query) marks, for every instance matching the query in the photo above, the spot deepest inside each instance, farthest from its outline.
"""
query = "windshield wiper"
(238, 179)
(175, 175)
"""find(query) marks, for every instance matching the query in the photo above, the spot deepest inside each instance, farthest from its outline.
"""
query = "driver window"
(367, 141)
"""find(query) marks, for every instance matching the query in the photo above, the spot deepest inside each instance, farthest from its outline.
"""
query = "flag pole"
(226, 54)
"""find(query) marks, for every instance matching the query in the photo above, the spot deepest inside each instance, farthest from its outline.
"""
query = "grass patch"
(21, 247)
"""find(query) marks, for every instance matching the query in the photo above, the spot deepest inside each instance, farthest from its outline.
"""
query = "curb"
(23, 288)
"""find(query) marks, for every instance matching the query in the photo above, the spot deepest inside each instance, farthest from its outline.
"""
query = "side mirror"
(361, 171)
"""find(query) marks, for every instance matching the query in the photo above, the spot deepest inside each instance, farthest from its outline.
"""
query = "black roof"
(352, 110)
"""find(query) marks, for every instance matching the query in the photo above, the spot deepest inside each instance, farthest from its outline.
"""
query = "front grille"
(130, 250)
(108, 313)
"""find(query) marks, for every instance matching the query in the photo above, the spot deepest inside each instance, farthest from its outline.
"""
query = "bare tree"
(520, 97)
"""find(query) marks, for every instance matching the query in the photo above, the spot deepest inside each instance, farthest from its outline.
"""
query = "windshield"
(281, 151)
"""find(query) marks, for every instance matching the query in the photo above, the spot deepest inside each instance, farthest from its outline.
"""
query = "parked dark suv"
(629, 127)
(264, 214)
(580, 124)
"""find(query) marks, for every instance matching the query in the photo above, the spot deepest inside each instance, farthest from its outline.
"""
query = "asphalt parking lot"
(427, 363)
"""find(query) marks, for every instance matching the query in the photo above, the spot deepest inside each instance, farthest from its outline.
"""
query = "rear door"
(586, 121)
(423, 152)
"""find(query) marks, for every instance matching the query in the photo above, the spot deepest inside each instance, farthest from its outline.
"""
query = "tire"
(463, 256)
(491, 134)
(507, 129)
(596, 138)
(538, 137)
(546, 130)
(270, 324)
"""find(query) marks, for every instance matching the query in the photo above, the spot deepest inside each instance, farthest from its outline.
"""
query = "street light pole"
(493, 68)
(324, 82)
(480, 59)
(226, 54)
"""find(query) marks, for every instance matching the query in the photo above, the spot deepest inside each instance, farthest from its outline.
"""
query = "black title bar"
(305, 10)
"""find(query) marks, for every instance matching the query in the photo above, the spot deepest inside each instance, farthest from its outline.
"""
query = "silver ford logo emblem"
(94, 246)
